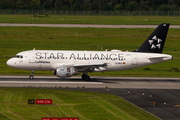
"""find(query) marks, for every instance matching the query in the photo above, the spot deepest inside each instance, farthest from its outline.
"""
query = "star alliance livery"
(69, 63)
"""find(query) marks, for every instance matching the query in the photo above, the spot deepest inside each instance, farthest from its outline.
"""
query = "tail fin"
(155, 42)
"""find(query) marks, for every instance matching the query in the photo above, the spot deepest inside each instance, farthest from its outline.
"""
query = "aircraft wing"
(91, 64)
(90, 67)
(83, 67)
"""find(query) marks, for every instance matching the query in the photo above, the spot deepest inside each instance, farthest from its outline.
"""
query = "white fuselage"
(116, 60)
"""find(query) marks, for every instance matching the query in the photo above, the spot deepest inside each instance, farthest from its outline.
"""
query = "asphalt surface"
(95, 82)
(83, 25)
(158, 96)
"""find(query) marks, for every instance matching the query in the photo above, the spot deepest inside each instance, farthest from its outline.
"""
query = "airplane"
(66, 63)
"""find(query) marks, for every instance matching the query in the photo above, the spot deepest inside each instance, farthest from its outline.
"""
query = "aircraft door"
(31, 57)
(134, 59)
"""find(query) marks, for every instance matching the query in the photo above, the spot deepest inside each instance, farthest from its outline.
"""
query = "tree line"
(92, 5)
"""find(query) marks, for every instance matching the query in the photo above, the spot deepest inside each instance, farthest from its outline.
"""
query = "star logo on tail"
(155, 42)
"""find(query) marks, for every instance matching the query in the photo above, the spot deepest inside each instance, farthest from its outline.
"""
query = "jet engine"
(64, 71)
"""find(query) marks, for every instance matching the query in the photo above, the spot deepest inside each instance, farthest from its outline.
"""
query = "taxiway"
(95, 82)
(81, 25)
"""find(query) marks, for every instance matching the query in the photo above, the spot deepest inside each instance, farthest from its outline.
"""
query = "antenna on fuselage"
(33, 49)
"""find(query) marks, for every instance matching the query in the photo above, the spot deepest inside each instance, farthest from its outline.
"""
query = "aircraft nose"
(10, 62)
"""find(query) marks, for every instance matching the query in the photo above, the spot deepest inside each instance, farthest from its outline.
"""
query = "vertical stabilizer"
(155, 42)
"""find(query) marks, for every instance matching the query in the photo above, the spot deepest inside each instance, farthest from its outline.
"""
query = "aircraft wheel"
(31, 77)
(85, 77)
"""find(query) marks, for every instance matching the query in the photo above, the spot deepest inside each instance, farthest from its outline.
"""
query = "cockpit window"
(18, 56)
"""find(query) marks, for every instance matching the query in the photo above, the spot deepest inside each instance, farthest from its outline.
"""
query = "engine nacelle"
(64, 71)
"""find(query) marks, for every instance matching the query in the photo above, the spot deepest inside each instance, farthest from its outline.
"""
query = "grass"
(66, 103)
(78, 19)
(16, 39)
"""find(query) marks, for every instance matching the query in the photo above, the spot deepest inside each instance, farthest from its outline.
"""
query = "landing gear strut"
(31, 76)
(85, 76)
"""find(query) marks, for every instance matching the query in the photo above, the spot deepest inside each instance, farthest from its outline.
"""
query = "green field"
(66, 103)
(17, 39)
(73, 19)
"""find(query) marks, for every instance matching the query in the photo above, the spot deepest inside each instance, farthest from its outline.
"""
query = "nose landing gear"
(31, 76)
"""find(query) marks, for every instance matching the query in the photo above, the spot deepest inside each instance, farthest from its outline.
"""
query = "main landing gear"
(85, 76)
(31, 76)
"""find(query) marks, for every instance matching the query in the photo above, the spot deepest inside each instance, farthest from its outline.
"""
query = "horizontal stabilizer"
(156, 57)
(163, 56)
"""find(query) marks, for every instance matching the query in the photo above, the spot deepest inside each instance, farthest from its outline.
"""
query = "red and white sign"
(43, 101)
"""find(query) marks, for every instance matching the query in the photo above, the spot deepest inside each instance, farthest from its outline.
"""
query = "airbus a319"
(68, 63)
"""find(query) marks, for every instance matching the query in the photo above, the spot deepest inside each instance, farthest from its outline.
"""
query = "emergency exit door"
(31, 57)
(134, 59)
